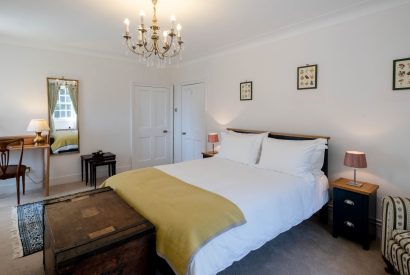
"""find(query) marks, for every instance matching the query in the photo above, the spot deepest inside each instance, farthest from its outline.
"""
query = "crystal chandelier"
(150, 46)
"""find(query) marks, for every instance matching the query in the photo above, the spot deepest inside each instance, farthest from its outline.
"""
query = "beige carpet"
(308, 248)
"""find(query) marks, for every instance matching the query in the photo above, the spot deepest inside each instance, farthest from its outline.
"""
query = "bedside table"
(208, 154)
(351, 208)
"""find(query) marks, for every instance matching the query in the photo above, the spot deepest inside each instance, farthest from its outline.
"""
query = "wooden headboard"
(289, 137)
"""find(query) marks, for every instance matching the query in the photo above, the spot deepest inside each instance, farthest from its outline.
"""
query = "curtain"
(73, 91)
(53, 89)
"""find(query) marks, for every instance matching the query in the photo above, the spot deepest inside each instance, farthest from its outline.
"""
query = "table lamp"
(38, 126)
(213, 138)
(356, 160)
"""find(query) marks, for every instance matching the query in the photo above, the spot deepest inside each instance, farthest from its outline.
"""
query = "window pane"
(56, 114)
(62, 98)
(58, 107)
(68, 113)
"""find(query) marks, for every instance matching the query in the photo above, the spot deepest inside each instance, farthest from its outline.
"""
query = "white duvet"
(271, 202)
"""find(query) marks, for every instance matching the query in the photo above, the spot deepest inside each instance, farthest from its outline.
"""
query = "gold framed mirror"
(63, 115)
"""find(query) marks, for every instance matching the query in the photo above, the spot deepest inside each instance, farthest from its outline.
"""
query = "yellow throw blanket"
(64, 138)
(185, 217)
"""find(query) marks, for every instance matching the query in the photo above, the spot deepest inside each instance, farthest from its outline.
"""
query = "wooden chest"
(96, 232)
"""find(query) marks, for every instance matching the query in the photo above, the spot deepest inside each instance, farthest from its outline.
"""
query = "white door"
(152, 128)
(192, 121)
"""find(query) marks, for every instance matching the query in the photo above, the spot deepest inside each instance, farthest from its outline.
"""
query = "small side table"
(208, 154)
(93, 169)
(85, 159)
(352, 207)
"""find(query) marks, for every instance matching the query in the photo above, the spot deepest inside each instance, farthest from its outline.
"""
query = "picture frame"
(245, 90)
(401, 74)
(307, 77)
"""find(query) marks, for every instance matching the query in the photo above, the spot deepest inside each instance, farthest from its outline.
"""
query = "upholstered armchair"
(395, 244)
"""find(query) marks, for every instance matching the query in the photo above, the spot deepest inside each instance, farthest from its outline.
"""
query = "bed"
(64, 141)
(271, 203)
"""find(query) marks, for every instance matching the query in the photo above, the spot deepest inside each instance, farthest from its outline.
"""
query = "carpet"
(27, 229)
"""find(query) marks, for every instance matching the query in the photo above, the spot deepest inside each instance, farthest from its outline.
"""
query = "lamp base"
(355, 184)
(38, 139)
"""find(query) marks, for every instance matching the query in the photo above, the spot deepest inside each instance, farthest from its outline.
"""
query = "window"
(64, 107)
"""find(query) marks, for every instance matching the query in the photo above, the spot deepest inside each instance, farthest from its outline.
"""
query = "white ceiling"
(209, 26)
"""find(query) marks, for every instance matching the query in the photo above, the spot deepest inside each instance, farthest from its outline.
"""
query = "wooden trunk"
(96, 232)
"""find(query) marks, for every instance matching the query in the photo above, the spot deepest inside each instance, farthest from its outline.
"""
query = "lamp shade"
(213, 138)
(38, 125)
(355, 159)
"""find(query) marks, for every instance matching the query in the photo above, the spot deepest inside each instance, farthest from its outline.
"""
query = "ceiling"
(209, 26)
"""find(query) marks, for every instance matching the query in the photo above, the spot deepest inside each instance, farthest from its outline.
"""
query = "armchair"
(395, 244)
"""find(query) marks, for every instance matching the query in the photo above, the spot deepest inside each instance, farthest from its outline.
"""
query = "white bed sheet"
(271, 202)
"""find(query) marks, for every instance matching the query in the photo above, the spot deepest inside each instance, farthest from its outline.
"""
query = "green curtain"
(53, 89)
(73, 91)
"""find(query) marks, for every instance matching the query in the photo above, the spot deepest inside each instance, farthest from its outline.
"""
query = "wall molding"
(72, 177)
(342, 15)
(329, 19)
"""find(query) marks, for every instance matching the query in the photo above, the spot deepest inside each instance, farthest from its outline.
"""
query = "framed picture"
(307, 77)
(246, 90)
(401, 74)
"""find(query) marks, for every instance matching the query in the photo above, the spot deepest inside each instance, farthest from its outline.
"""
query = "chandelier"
(149, 45)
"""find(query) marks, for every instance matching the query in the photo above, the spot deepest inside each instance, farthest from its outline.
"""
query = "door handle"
(165, 131)
(183, 133)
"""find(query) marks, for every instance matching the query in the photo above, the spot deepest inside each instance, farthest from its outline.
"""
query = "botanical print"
(307, 77)
(401, 71)
(246, 91)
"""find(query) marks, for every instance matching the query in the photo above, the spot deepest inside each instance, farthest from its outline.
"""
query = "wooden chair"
(12, 171)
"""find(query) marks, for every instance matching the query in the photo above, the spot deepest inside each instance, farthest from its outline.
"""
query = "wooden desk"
(28, 145)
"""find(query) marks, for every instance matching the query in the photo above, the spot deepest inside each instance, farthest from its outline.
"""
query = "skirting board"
(372, 221)
(73, 177)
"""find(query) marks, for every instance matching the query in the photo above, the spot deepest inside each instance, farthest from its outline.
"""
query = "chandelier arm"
(178, 50)
(168, 48)
(133, 48)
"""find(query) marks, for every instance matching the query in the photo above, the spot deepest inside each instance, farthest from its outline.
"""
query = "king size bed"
(268, 200)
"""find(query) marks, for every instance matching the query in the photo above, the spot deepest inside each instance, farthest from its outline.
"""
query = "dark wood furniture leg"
(18, 189)
(86, 171)
(82, 169)
(23, 177)
(324, 214)
(389, 267)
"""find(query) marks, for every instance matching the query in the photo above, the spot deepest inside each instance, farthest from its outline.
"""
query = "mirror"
(63, 115)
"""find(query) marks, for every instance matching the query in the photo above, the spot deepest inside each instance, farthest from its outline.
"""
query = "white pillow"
(318, 156)
(265, 134)
(243, 148)
(295, 157)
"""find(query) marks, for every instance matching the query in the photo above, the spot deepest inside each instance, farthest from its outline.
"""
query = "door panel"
(192, 121)
(151, 127)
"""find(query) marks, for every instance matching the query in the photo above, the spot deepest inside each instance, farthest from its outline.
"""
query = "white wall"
(104, 102)
(354, 102)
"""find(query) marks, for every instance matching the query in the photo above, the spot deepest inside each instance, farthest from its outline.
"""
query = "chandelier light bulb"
(179, 27)
(173, 18)
(165, 34)
(142, 14)
(127, 25)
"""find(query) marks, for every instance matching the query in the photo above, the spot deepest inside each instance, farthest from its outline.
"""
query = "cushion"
(242, 148)
(402, 237)
(299, 158)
